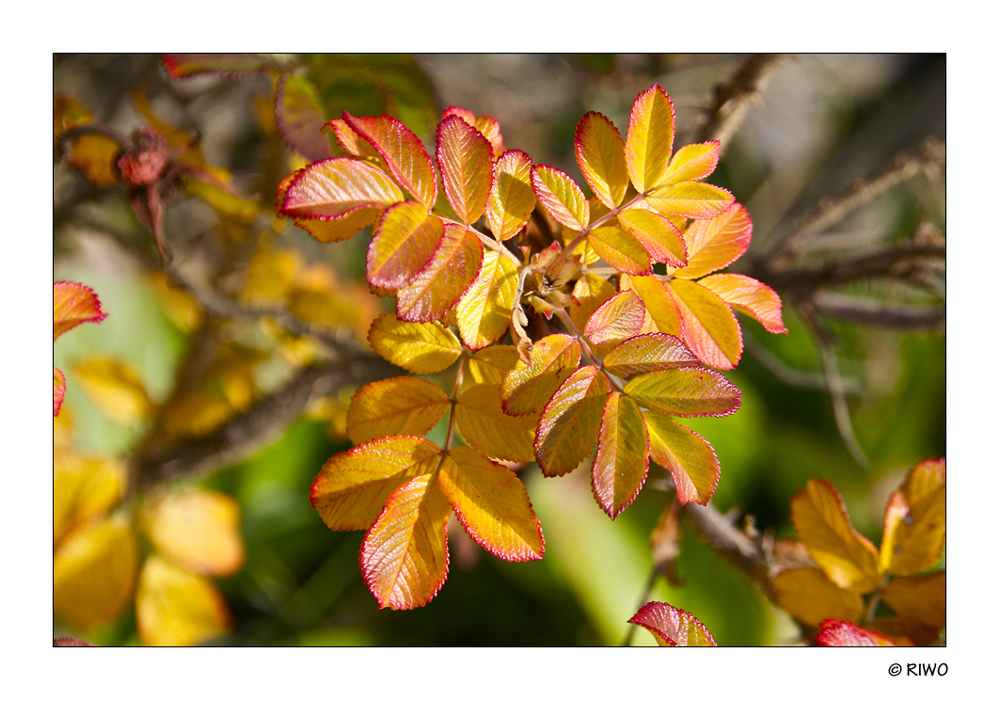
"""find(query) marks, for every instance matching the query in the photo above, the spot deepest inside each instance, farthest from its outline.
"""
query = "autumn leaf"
(177, 608)
(714, 243)
(442, 283)
(809, 595)
(620, 465)
(685, 391)
(528, 386)
(420, 348)
(74, 304)
(692, 162)
(914, 532)
(403, 243)
(657, 234)
(484, 311)
(648, 353)
(299, 117)
(84, 488)
(918, 599)
(600, 153)
(688, 457)
(835, 633)
(484, 124)
(747, 295)
(399, 405)
(672, 626)
(485, 426)
(465, 160)
(569, 424)
(561, 197)
(114, 388)
(708, 325)
(619, 318)
(621, 249)
(650, 138)
(511, 199)
(693, 200)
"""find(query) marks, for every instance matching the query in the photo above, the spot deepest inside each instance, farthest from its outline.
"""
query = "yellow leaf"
(93, 573)
(421, 348)
(569, 426)
(489, 365)
(913, 538)
(399, 405)
(485, 426)
(177, 608)
(197, 530)
(406, 238)
(83, 488)
(178, 304)
(600, 153)
(846, 557)
(708, 325)
(527, 387)
(689, 458)
(714, 243)
(511, 198)
(918, 599)
(484, 311)
(620, 465)
(660, 304)
(650, 138)
(439, 286)
(807, 594)
(114, 388)
(591, 291)
(195, 413)
(692, 162)
(270, 274)
(657, 234)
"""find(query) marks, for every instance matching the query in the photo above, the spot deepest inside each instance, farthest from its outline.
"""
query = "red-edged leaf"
(691, 199)
(749, 296)
(561, 197)
(485, 426)
(712, 244)
(620, 465)
(352, 144)
(621, 317)
(399, 405)
(688, 457)
(692, 162)
(648, 353)
(484, 311)
(492, 504)
(511, 199)
(527, 387)
(403, 152)
(656, 234)
(621, 249)
(708, 325)
(58, 390)
(570, 423)
(404, 242)
(465, 159)
(74, 304)
(672, 627)
(219, 65)
(485, 124)
(650, 138)
(685, 392)
(600, 153)
(352, 487)
(660, 304)
(300, 117)
(441, 284)
(404, 555)
(419, 348)
(834, 633)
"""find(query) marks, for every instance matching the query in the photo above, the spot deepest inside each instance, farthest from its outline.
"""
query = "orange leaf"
(197, 530)
(834, 633)
(714, 243)
(600, 153)
(337, 188)
(620, 465)
(648, 353)
(685, 391)
(918, 599)
(352, 487)
(445, 279)
(114, 388)
(74, 304)
(421, 348)
(650, 138)
(511, 199)
(527, 387)
(845, 556)
(484, 124)
(689, 458)
(561, 197)
(404, 155)
(672, 627)
(807, 594)
(708, 325)
(659, 303)
(95, 157)
(352, 143)
(485, 309)
(692, 162)
(691, 199)
(748, 295)
(484, 425)
(399, 405)
(913, 538)
(178, 608)
(331, 230)
(656, 234)
(465, 159)
(58, 390)
(570, 423)
(404, 555)
(492, 504)
(621, 249)
(404, 241)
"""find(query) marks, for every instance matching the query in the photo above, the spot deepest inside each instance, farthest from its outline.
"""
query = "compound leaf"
(708, 325)
(714, 243)
(445, 279)
(620, 465)
(527, 387)
(511, 198)
(561, 197)
(685, 391)
(399, 405)
(691, 199)
(749, 296)
(403, 153)
(484, 311)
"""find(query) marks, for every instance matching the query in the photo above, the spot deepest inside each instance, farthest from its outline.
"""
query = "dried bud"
(144, 161)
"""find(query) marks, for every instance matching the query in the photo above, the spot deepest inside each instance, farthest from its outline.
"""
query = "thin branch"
(868, 312)
(733, 99)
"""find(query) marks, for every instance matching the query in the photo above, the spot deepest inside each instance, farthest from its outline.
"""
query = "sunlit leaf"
(340, 228)
(490, 365)
(58, 390)
(648, 353)
(689, 458)
(353, 144)
(846, 557)
(714, 243)
(492, 504)
(692, 162)
(83, 489)
(404, 555)
(686, 391)
(178, 608)
(465, 159)
(399, 405)
(691, 199)
(527, 388)
(561, 197)
(511, 199)
(621, 250)
(672, 626)
(484, 312)
(484, 425)
(808, 595)
(445, 279)
(197, 530)
(600, 153)
(914, 533)
(749, 296)
(591, 291)
(659, 303)
(918, 599)
(620, 465)
(114, 388)
(835, 633)
(708, 325)
(570, 423)
(403, 243)
(657, 234)
(650, 138)
(74, 304)
(484, 124)
(621, 317)
(300, 118)
(421, 348)
(93, 573)
(403, 153)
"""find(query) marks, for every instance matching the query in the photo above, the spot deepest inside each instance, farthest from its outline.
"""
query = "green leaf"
(620, 465)
(685, 392)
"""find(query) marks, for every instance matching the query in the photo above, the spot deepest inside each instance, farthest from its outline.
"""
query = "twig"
(864, 311)
(732, 100)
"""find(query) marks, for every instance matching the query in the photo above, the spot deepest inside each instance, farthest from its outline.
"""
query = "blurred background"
(813, 126)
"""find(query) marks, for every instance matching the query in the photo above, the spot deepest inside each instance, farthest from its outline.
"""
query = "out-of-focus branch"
(743, 547)
(733, 99)
(870, 312)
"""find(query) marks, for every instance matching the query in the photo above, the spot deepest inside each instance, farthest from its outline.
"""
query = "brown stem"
(733, 99)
